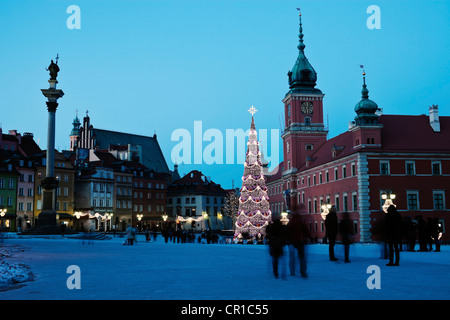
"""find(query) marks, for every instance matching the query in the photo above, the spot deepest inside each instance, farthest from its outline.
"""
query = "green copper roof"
(302, 76)
(366, 109)
(76, 127)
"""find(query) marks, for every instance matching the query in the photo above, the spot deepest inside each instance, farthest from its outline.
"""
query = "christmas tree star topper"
(252, 110)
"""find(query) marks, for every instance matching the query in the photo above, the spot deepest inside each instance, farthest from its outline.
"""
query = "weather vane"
(299, 12)
(252, 110)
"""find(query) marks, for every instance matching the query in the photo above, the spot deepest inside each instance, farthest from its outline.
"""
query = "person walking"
(276, 234)
(412, 234)
(429, 234)
(298, 235)
(437, 233)
(422, 233)
(346, 231)
(131, 235)
(331, 225)
(393, 234)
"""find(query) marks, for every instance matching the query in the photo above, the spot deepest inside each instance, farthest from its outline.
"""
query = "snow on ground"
(193, 271)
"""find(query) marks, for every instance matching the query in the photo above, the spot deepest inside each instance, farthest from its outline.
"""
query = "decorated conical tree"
(254, 210)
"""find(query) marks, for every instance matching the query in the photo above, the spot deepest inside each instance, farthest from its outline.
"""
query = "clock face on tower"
(307, 107)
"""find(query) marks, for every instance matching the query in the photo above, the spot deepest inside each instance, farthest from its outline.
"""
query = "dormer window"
(306, 75)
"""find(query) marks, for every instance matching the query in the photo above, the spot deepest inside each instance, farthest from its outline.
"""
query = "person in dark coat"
(430, 234)
(411, 233)
(437, 233)
(298, 235)
(422, 233)
(346, 231)
(393, 234)
(276, 234)
(331, 225)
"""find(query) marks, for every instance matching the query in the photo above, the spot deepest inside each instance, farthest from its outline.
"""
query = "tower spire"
(364, 91)
(301, 45)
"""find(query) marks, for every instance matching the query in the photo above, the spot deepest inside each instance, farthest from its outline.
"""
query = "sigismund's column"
(48, 216)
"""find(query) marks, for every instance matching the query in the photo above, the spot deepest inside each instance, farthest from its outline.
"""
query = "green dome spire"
(76, 126)
(366, 109)
(302, 77)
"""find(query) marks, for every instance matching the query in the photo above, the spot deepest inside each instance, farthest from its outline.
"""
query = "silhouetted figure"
(298, 235)
(436, 233)
(331, 225)
(411, 236)
(53, 69)
(422, 233)
(346, 231)
(393, 234)
(430, 234)
(276, 234)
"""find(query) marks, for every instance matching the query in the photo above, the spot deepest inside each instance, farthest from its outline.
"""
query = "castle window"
(410, 168)
(413, 200)
(384, 167)
(436, 168)
(438, 200)
(307, 121)
(309, 147)
(353, 169)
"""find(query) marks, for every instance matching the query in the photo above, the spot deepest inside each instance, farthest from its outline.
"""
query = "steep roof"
(197, 183)
(414, 134)
(152, 156)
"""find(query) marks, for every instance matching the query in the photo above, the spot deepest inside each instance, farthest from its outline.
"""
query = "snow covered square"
(155, 270)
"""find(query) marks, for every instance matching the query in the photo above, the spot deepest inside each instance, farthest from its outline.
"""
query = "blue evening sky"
(159, 65)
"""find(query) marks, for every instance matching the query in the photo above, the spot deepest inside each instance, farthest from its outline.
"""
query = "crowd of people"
(295, 235)
(172, 235)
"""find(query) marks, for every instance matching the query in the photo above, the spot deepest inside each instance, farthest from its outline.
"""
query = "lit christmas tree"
(254, 210)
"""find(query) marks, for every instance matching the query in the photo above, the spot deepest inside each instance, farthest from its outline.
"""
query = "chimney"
(434, 118)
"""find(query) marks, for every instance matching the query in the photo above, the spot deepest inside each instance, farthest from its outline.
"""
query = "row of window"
(65, 205)
(9, 183)
(410, 168)
(8, 202)
(191, 212)
(315, 204)
(192, 200)
(413, 203)
(140, 208)
(140, 195)
(20, 206)
(317, 178)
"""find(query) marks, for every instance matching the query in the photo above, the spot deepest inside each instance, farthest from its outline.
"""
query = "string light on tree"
(254, 210)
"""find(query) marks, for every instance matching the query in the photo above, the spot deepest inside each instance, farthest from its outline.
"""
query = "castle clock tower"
(304, 129)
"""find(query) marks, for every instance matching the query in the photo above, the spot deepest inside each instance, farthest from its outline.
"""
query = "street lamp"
(165, 216)
(325, 210)
(139, 217)
(388, 197)
(284, 220)
(2, 212)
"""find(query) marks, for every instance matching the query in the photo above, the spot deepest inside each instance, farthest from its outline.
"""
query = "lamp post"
(325, 210)
(139, 216)
(388, 197)
(284, 220)
(108, 217)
